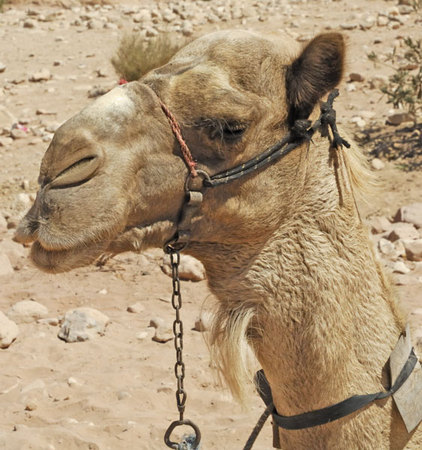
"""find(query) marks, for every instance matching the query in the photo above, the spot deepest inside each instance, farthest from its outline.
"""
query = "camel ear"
(316, 71)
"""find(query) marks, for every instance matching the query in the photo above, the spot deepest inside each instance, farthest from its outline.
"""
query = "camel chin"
(56, 261)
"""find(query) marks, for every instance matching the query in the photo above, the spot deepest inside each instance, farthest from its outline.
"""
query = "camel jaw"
(57, 261)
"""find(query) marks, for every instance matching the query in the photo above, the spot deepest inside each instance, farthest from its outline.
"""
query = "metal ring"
(204, 174)
(178, 423)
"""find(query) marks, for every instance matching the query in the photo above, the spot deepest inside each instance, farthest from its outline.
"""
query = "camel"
(284, 248)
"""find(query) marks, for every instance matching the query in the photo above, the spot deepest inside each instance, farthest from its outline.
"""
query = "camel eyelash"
(228, 130)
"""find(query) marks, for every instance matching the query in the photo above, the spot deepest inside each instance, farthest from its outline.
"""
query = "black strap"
(333, 412)
(301, 132)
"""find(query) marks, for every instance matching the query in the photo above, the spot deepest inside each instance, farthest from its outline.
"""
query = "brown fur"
(285, 251)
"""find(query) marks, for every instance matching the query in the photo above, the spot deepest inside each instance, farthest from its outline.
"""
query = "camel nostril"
(76, 173)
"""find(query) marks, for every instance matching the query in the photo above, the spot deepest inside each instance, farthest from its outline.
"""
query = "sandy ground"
(117, 391)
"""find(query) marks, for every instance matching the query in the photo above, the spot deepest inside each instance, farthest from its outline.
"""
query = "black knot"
(300, 129)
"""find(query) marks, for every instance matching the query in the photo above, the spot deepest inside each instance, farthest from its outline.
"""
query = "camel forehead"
(111, 110)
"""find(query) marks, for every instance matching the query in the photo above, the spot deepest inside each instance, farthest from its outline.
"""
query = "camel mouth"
(57, 261)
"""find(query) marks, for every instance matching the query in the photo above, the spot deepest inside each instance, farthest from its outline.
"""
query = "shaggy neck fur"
(312, 302)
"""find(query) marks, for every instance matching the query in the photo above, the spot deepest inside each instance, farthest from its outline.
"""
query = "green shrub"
(136, 56)
(404, 88)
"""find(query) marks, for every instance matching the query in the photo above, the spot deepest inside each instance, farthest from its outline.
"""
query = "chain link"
(176, 301)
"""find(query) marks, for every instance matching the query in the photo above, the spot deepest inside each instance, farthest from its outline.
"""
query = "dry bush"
(136, 56)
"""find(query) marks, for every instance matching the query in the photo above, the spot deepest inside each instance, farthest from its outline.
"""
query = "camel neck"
(324, 321)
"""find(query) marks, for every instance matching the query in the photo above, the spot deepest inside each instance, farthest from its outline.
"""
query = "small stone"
(382, 21)
(103, 292)
(121, 395)
(27, 311)
(400, 267)
(72, 381)
(348, 26)
(386, 248)
(380, 224)
(97, 91)
(410, 214)
(163, 334)
(405, 9)
(8, 331)
(413, 249)
(151, 32)
(42, 75)
(53, 321)
(378, 81)
(31, 406)
(354, 76)
(25, 185)
(377, 164)
(350, 87)
(81, 324)
(5, 266)
(403, 231)
(101, 73)
(142, 335)
(190, 269)
(23, 200)
(156, 322)
(187, 29)
(399, 118)
(203, 322)
(18, 133)
(29, 23)
(2, 67)
(136, 308)
(57, 62)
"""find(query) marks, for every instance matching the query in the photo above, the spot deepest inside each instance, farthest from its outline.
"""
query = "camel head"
(113, 177)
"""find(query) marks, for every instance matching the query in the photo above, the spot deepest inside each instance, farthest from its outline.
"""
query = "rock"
(404, 231)
(163, 334)
(203, 322)
(53, 321)
(2, 67)
(406, 2)
(18, 133)
(413, 249)
(398, 118)
(378, 81)
(81, 324)
(382, 21)
(8, 331)
(7, 120)
(377, 164)
(405, 9)
(29, 23)
(42, 75)
(31, 406)
(5, 266)
(27, 311)
(23, 200)
(348, 26)
(187, 29)
(356, 77)
(156, 322)
(380, 224)
(400, 267)
(410, 214)
(386, 248)
(136, 308)
(142, 335)
(72, 381)
(190, 268)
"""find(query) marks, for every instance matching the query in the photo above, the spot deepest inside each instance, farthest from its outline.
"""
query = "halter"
(301, 132)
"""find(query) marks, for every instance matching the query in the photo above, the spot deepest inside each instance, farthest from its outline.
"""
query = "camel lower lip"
(55, 261)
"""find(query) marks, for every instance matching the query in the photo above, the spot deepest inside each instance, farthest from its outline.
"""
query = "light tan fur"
(285, 251)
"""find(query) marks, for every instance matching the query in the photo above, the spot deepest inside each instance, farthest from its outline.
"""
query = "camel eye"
(232, 131)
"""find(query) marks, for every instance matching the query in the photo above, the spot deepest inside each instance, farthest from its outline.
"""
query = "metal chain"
(176, 301)
(191, 441)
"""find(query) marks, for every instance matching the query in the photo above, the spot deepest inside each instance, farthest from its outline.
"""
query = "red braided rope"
(187, 155)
